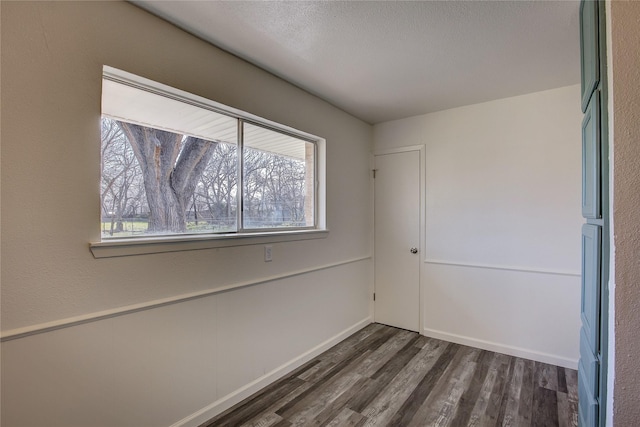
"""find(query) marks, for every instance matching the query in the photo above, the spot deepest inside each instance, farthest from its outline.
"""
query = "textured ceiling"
(384, 60)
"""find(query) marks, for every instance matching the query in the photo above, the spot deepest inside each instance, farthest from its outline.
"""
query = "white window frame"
(115, 247)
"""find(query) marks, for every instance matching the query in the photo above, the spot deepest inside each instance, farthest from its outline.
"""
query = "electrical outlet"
(267, 253)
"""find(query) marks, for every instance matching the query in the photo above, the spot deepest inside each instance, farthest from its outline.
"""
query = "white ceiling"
(384, 60)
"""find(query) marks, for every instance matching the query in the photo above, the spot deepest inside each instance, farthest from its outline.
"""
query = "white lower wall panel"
(186, 361)
(532, 315)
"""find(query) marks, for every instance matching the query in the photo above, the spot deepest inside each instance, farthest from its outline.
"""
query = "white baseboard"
(551, 359)
(226, 402)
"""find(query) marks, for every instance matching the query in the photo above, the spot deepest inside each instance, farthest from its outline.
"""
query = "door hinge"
(374, 296)
(374, 173)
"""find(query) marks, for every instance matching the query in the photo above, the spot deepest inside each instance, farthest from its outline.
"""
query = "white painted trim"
(153, 245)
(503, 267)
(226, 402)
(611, 345)
(503, 348)
(26, 331)
(372, 236)
(423, 229)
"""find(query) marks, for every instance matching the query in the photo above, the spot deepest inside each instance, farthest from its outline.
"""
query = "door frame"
(421, 149)
(606, 214)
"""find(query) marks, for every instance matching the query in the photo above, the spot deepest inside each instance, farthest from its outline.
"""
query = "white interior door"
(397, 239)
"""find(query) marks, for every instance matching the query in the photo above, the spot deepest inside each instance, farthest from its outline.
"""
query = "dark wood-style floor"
(386, 376)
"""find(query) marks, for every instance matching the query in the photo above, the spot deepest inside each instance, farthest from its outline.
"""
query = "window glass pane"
(215, 198)
(156, 182)
(278, 179)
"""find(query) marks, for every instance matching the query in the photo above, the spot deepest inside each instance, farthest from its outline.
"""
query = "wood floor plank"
(394, 364)
(317, 371)
(526, 395)
(478, 413)
(257, 405)
(282, 423)
(325, 389)
(348, 418)
(571, 377)
(422, 341)
(346, 347)
(343, 350)
(498, 397)
(509, 417)
(567, 410)
(334, 408)
(280, 403)
(545, 407)
(373, 338)
(573, 413)
(361, 351)
(383, 376)
(266, 420)
(546, 376)
(323, 404)
(306, 411)
(562, 380)
(380, 411)
(407, 411)
(347, 350)
(439, 408)
(385, 352)
(563, 409)
(470, 396)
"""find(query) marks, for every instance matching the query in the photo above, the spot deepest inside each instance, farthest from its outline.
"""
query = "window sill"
(130, 247)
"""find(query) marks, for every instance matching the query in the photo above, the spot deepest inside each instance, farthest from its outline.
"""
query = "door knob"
(414, 250)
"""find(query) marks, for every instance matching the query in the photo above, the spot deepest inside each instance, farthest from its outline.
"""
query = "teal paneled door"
(590, 52)
(595, 210)
(589, 366)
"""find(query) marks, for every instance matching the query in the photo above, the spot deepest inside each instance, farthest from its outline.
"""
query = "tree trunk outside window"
(171, 166)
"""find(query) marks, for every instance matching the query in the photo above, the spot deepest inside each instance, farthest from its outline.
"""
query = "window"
(278, 179)
(175, 164)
